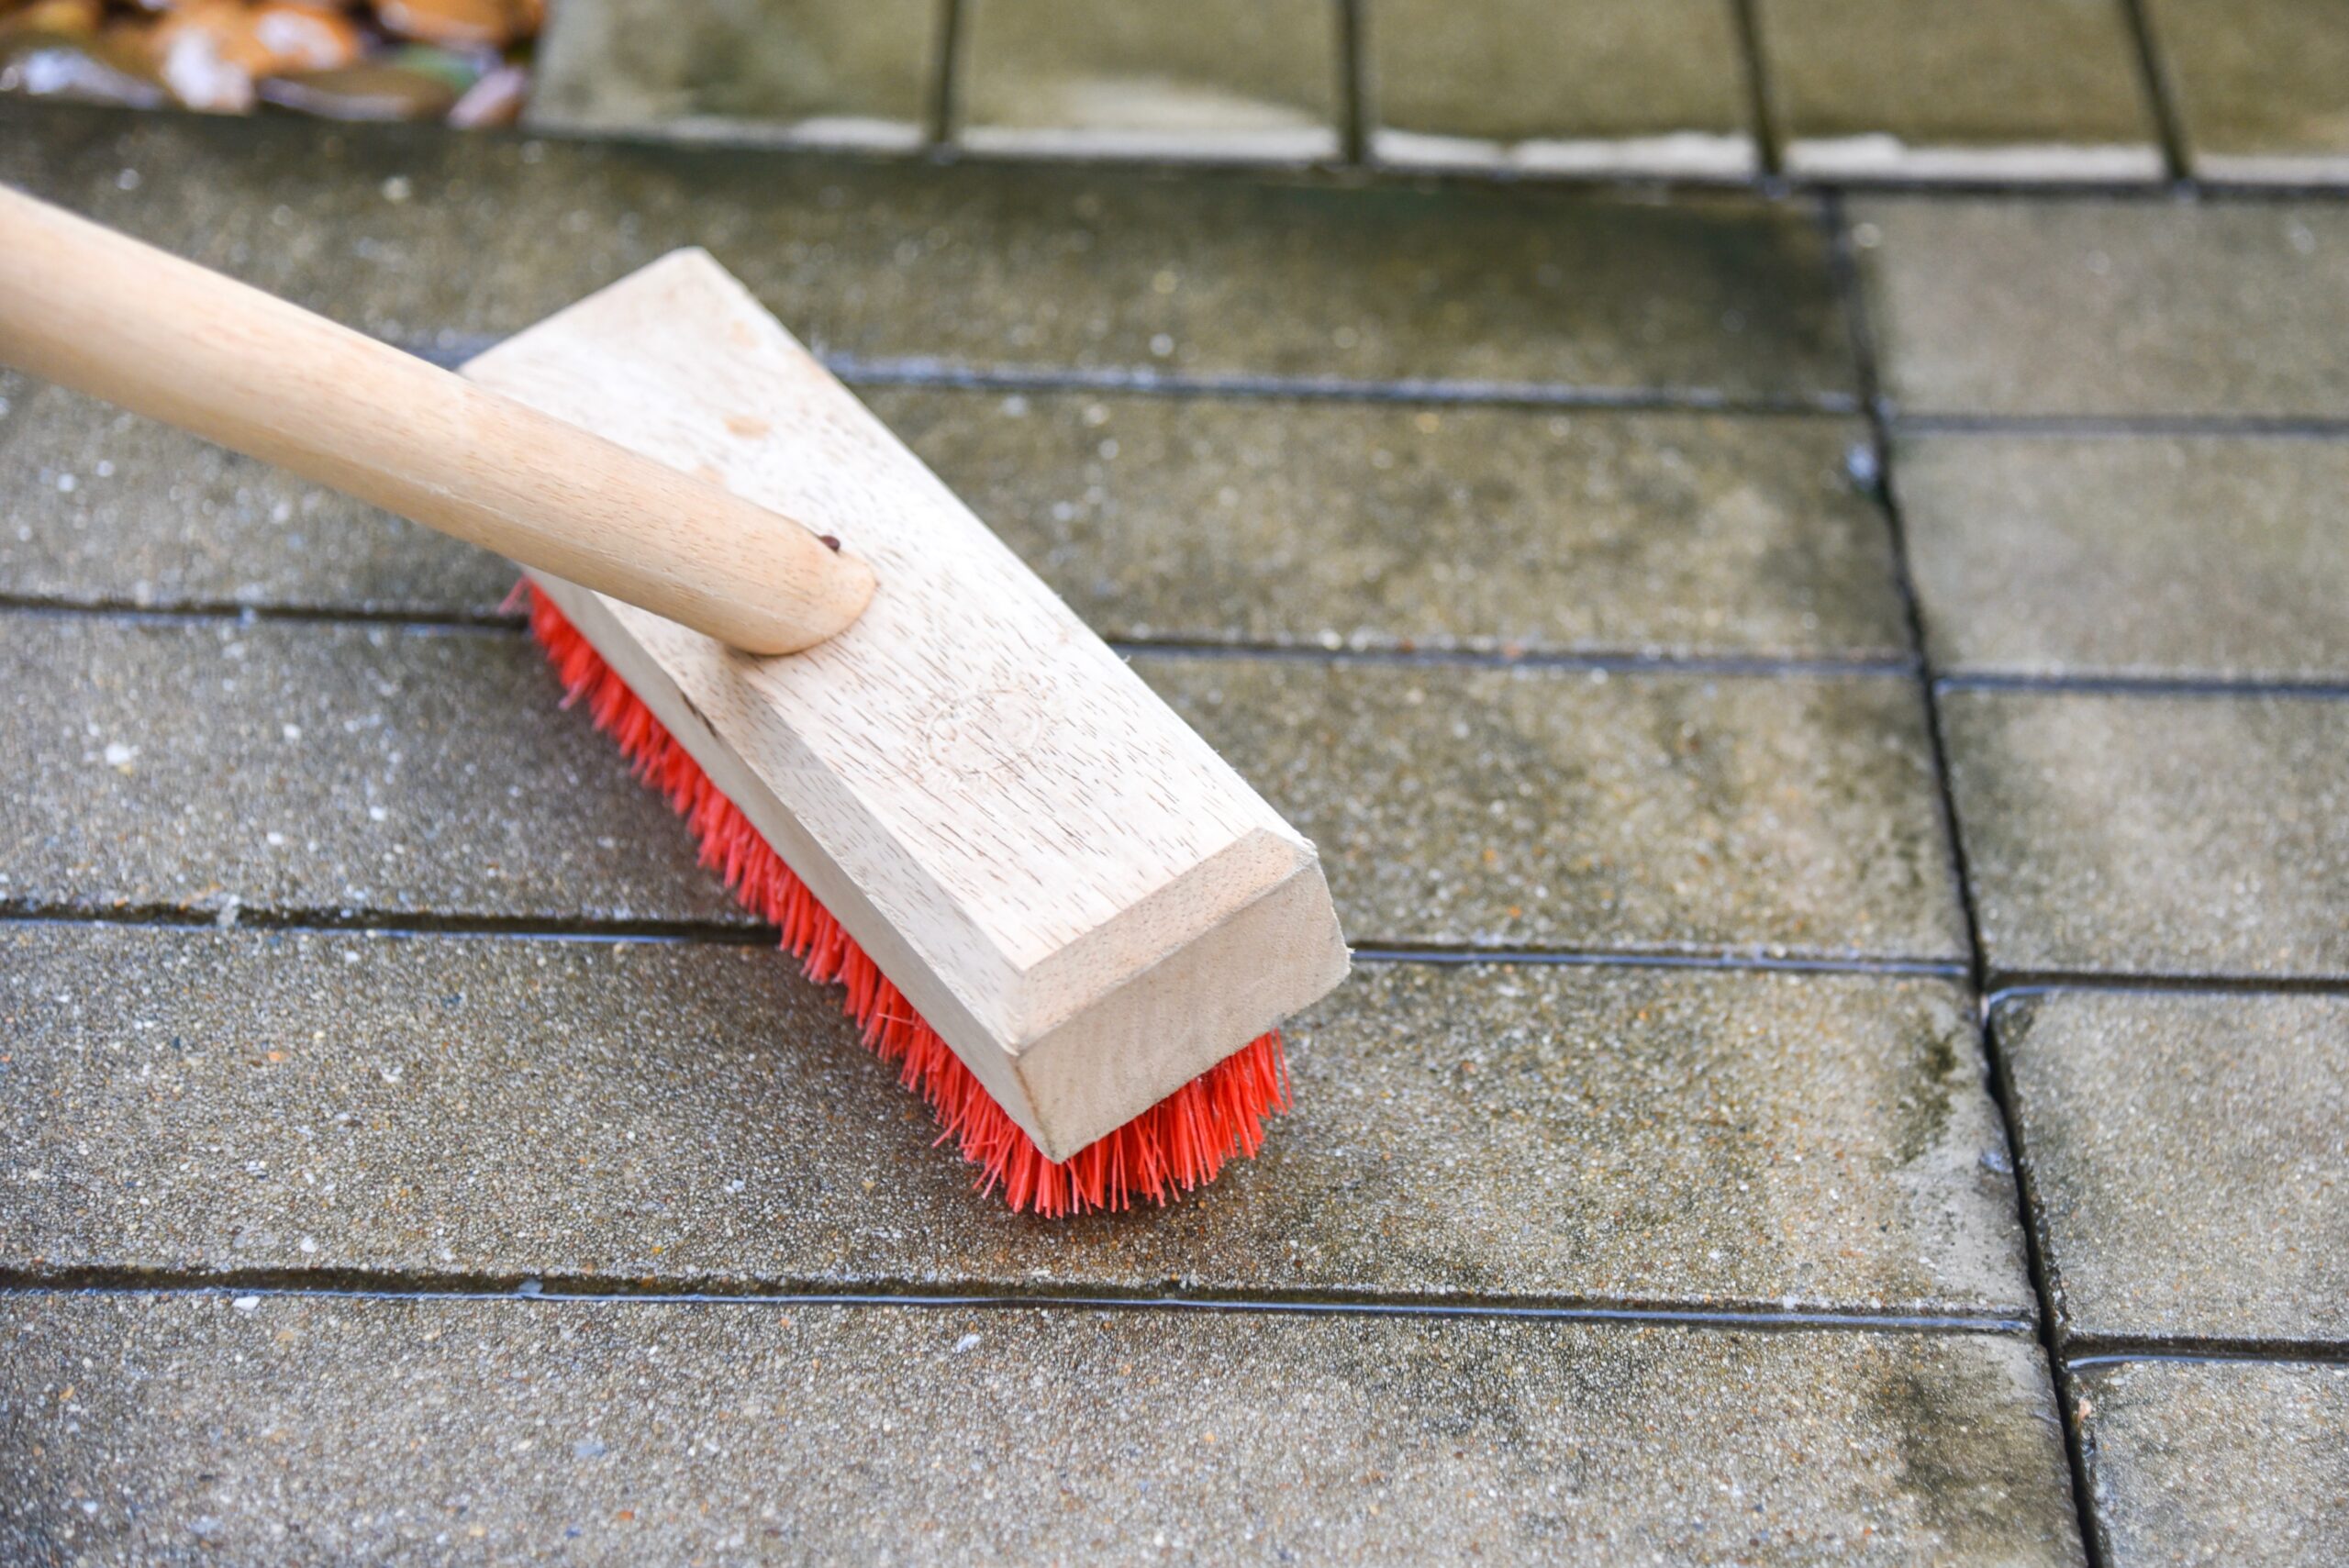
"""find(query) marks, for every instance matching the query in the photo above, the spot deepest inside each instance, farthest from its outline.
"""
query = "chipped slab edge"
(1088, 905)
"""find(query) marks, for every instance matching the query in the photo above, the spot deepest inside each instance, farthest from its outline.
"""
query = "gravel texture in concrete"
(2172, 835)
(849, 72)
(2258, 86)
(1369, 525)
(1588, 85)
(2166, 556)
(2015, 88)
(101, 507)
(275, 1104)
(2218, 1462)
(437, 240)
(1213, 78)
(230, 1427)
(2189, 1160)
(1196, 518)
(216, 764)
(1507, 808)
(190, 765)
(2131, 307)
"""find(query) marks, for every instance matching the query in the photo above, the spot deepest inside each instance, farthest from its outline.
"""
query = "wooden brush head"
(1085, 901)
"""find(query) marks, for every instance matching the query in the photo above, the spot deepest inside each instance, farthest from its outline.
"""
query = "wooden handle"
(93, 310)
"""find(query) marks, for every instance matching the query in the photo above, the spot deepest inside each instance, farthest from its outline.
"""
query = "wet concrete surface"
(224, 1425)
(2218, 1462)
(694, 1117)
(2188, 1155)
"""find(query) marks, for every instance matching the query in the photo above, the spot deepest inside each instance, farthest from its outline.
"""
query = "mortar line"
(1626, 662)
(1999, 1086)
(2122, 426)
(2145, 685)
(1354, 84)
(2161, 101)
(590, 1290)
(2123, 1352)
(409, 925)
(916, 372)
(1761, 105)
(2008, 985)
(945, 96)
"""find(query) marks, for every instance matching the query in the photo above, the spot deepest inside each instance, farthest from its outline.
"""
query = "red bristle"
(1174, 1146)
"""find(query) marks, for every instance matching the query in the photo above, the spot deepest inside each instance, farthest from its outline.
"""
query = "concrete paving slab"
(2218, 1462)
(259, 1105)
(183, 765)
(433, 238)
(2188, 1155)
(2258, 84)
(844, 73)
(1374, 526)
(243, 1427)
(211, 764)
(1588, 86)
(101, 507)
(2108, 307)
(2186, 834)
(1214, 79)
(2196, 557)
(1195, 518)
(2006, 89)
(1505, 807)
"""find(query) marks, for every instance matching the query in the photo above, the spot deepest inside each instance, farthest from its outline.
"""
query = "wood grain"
(99, 312)
(1086, 902)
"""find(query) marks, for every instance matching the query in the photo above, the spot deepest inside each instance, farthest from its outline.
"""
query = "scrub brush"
(1071, 927)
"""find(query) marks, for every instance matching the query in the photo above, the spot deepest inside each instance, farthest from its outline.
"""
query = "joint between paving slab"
(2000, 1086)
(2144, 685)
(1652, 957)
(403, 924)
(2161, 98)
(916, 372)
(593, 1290)
(1627, 662)
(2120, 427)
(945, 94)
(184, 611)
(1760, 107)
(2006, 985)
(2095, 1350)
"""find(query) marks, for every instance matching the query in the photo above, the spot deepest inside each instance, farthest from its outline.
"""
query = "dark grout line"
(2118, 1351)
(1761, 104)
(917, 372)
(945, 101)
(2006, 986)
(1353, 81)
(2000, 1086)
(2160, 100)
(397, 924)
(1619, 661)
(1652, 958)
(410, 924)
(2145, 685)
(588, 1290)
(388, 923)
(492, 622)
(498, 623)
(2122, 426)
